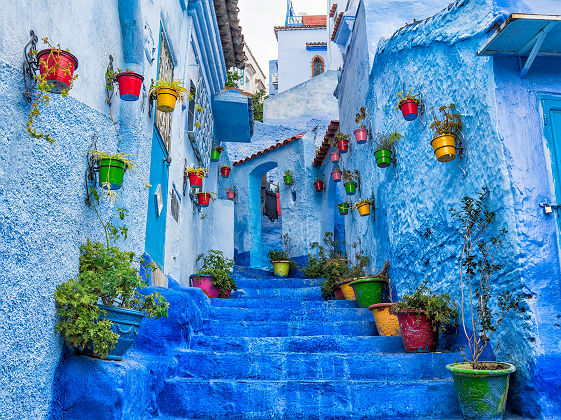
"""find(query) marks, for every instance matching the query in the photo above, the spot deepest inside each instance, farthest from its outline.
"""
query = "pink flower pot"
(205, 283)
(230, 195)
(336, 175)
(361, 135)
(335, 156)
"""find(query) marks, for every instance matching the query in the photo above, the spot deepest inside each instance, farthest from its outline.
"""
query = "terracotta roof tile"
(269, 149)
(333, 10)
(315, 20)
(325, 146)
(336, 27)
(297, 28)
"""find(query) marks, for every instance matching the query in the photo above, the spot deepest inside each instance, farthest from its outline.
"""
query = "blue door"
(157, 201)
(552, 124)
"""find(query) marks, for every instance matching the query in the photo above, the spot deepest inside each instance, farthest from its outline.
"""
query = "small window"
(192, 111)
(317, 66)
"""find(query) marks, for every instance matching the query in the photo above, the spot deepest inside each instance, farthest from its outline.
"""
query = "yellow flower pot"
(386, 322)
(281, 268)
(347, 290)
(167, 99)
(363, 209)
(444, 147)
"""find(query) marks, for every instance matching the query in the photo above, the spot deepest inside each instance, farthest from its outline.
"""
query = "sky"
(258, 17)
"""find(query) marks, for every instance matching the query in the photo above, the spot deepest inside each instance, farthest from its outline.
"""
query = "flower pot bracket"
(109, 81)
(30, 66)
(90, 176)
(460, 151)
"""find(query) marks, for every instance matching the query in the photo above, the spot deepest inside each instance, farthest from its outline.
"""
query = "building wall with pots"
(43, 215)
(412, 226)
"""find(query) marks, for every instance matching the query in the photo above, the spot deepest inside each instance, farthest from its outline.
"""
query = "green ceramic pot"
(368, 291)
(214, 155)
(111, 172)
(288, 179)
(350, 187)
(383, 158)
(343, 208)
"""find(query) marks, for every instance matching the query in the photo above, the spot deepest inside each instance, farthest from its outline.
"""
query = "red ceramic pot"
(205, 283)
(319, 186)
(409, 109)
(225, 171)
(336, 175)
(195, 179)
(130, 84)
(343, 146)
(339, 294)
(361, 135)
(335, 156)
(58, 68)
(417, 332)
(203, 199)
(230, 195)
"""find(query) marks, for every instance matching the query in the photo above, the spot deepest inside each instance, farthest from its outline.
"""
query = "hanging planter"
(445, 128)
(335, 157)
(386, 322)
(196, 176)
(336, 175)
(361, 134)
(230, 194)
(225, 171)
(342, 142)
(385, 142)
(57, 68)
(344, 208)
(350, 187)
(167, 93)
(203, 199)
(408, 103)
(318, 184)
(215, 153)
(383, 158)
(351, 179)
(288, 178)
(363, 207)
(112, 168)
(130, 84)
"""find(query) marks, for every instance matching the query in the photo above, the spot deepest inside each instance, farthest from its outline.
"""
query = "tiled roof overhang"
(269, 149)
(296, 28)
(230, 32)
(325, 146)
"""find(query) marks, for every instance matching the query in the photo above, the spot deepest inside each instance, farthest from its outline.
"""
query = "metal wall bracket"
(30, 66)
(90, 176)
(151, 99)
(461, 149)
(422, 109)
(109, 81)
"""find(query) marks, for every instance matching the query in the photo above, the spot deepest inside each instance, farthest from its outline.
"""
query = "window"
(192, 110)
(317, 65)
(165, 71)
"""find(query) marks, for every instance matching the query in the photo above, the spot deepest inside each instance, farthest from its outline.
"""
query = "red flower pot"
(225, 171)
(343, 146)
(130, 84)
(361, 135)
(195, 180)
(319, 186)
(336, 175)
(205, 283)
(409, 109)
(335, 156)
(203, 199)
(417, 332)
(58, 68)
(230, 195)
(339, 294)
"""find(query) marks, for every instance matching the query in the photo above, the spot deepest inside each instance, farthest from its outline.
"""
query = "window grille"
(165, 71)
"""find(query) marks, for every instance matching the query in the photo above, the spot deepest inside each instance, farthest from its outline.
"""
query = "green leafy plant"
(44, 88)
(176, 85)
(360, 117)
(233, 78)
(449, 122)
(350, 176)
(106, 274)
(318, 178)
(218, 148)
(477, 265)
(330, 249)
(216, 265)
(335, 270)
(288, 173)
(284, 254)
(225, 166)
(258, 99)
(385, 141)
(340, 136)
(439, 308)
(201, 171)
(404, 96)
(123, 157)
(357, 268)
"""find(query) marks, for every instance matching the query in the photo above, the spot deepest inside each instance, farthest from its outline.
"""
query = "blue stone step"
(320, 399)
(314, 366)
(281, 303)
(310, 344)
(312, 314)
(276, 282)
(284, 329)
(298, 293)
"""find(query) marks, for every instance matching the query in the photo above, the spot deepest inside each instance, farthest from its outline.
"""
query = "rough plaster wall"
(438, 58)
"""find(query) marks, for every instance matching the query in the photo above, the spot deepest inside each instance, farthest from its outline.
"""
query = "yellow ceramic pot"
(444, 147)
(281, 268)
(166, 99)
(347, 290)
(386, 322)
(363, 209)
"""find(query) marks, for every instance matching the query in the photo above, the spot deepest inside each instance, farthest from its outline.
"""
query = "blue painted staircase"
(277, 350)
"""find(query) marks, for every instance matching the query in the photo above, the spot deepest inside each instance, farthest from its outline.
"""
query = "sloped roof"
(333, 10)
(315, 20)
(230, 32)
(336, 27)
(269, 149)
(325, 146)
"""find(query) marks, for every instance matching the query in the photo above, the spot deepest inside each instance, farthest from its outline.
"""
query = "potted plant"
(386, 322)
(56, 75)
(336, 174)
(288, 177)
(318, 183)
(351, 179)
(230, 193)
(167, 93)
(342, 142)
(363, 207)
(408, 104)
(344, 208)
(422, 316)
(196, 176)
(99, 312)
(215, 275)
(445, 129)
(225, 171)
(215, 153)
(384, 144)
(112, 168)
(481, 386)
(130, 83)
(282, 264)
(335, 156)
(334, 271)
(361, 133)
(203, 198)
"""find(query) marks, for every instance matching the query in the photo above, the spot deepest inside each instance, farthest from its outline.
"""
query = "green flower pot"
(482, 393)
(214, 155)
(288, 179)
(111, 172)
(383, 158)
(350, 187)
(368, 291)
(343, 208)
(281, 268)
